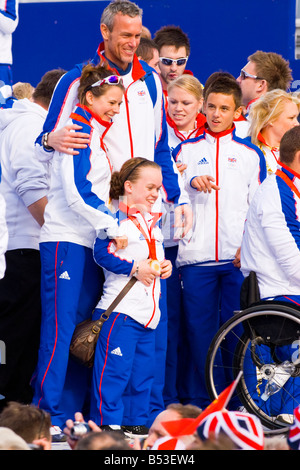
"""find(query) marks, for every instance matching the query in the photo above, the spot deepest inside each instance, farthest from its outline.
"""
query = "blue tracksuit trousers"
(210, 295)
(71, 283)
(124, 360)
(159, 361)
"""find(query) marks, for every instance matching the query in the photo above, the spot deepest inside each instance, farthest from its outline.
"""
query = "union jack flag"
(243, 429)
(187, 426)
(293, 437)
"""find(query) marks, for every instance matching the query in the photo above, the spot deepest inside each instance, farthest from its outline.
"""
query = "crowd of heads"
(178, 427)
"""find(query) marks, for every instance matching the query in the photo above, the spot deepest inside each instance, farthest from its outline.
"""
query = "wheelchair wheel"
(259, 341)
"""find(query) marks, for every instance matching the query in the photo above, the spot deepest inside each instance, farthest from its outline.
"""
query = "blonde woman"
(185, 99)
(271, 116)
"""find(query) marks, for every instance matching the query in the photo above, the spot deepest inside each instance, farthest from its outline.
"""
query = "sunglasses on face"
(245, 75)
(168, 61)
(111, 80)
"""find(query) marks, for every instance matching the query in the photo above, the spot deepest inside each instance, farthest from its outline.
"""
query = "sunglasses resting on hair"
(111, 80)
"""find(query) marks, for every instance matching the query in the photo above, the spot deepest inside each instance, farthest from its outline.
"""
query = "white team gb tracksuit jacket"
(79, 190)
(141, 303)
(271, 242)
(218, 217)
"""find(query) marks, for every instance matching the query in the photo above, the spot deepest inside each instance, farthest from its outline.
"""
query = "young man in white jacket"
(24, 185)
(222, 175)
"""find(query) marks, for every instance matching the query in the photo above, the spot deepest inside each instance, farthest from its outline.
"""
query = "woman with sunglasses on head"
(75, 214)
(125, 351)
(271, 116)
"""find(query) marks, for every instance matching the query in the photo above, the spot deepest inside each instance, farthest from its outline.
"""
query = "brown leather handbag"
(86, 333)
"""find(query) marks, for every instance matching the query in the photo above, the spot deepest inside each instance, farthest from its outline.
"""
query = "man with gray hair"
(140, 128)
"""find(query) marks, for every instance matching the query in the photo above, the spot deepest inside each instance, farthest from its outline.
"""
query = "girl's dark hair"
(129, 171)
(91, 74)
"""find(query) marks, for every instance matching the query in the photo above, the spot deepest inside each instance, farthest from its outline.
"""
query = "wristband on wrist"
(45, 142)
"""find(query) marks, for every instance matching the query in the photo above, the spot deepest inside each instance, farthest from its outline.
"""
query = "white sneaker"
(112, 428)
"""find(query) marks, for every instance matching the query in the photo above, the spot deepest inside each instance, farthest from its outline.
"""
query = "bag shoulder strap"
(119, 297)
